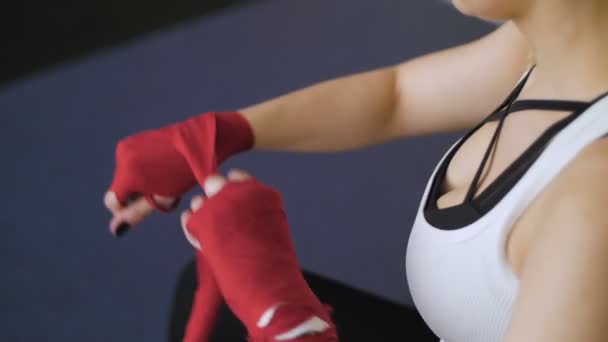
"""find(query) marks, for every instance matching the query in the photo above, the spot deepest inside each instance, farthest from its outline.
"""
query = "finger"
(238, 175)
(164, 202)
(118, 226)
(196, 203)
(185, 216)
(122, 229)
(133, 214)
(111, 202)
(213, 185)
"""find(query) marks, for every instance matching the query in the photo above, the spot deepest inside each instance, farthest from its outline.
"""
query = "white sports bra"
(456, 263)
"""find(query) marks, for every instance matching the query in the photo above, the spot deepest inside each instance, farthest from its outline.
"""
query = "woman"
(511, 222)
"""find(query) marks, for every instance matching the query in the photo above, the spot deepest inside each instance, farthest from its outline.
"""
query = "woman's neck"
(569, 42)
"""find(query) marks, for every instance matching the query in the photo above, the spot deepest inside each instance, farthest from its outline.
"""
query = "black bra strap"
(515, 92)
(553, 105)
(473, 186)
(507, 103)
(549, 105)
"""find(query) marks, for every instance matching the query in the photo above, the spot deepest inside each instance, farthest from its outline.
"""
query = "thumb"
(213, 184)
(184, 220)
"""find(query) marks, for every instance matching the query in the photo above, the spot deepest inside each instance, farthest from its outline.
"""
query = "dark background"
(79, 77)
(41, 34)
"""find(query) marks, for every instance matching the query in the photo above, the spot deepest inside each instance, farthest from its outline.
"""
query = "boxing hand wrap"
(205, 306)
(210, 138)
(150, 163)
(244, 234)
(206, 141)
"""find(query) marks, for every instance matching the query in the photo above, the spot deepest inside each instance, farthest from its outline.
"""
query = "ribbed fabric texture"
(460, 280)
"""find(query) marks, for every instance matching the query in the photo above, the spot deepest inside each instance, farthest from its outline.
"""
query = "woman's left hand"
(213, 185)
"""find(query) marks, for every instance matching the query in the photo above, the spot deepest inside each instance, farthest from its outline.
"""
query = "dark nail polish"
(122, 229)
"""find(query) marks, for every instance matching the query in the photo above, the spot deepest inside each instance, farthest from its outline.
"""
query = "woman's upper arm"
(454, 89)
(562, 292)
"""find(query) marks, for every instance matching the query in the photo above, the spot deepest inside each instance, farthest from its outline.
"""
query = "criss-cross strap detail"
(548, 105)
(502, 111)
(473, 207)
(513, 106)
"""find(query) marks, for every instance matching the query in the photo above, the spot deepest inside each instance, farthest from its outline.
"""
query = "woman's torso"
(462, 275)
(519, 131)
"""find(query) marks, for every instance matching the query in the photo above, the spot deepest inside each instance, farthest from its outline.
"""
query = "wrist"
(207, 140)
(234, 135)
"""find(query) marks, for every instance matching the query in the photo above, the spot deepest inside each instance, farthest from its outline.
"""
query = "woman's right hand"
(150, 173)
(154, 168)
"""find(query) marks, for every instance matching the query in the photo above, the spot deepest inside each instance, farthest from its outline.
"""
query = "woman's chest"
(519, 131)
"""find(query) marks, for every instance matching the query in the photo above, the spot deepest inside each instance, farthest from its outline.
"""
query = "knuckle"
(123, 146)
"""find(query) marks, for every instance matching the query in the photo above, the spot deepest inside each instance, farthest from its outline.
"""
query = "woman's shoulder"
(579, 193)
(455, 88)
(564, 267)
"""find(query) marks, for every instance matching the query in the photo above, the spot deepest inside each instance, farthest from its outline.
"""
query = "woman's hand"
(149, 173)
(241, 228)
(212, 186)
(156, 167)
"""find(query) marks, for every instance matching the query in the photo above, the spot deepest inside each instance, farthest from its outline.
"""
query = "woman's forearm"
(340, 114)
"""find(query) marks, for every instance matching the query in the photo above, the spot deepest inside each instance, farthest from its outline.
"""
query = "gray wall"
(67, 279)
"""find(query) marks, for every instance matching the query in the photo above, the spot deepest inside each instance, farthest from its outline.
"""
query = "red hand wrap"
(207, 300)
(203, 141)
(150, 163)
(244, 234)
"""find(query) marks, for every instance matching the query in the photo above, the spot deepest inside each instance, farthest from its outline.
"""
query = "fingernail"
(237, 175)
(122, 229)
(197, 202)
(184, 217)
(213, 185)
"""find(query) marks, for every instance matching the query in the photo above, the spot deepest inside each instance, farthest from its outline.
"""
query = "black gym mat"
(359, 316)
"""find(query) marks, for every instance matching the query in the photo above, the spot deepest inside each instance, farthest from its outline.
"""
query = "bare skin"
(556, 247)
(213, 185)
(396, 102)
(560, 262)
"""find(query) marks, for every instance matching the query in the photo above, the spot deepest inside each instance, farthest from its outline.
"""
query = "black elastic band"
(549, 105)
(515, 92)
(473, 185)
(461, 215)
(511, 98)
